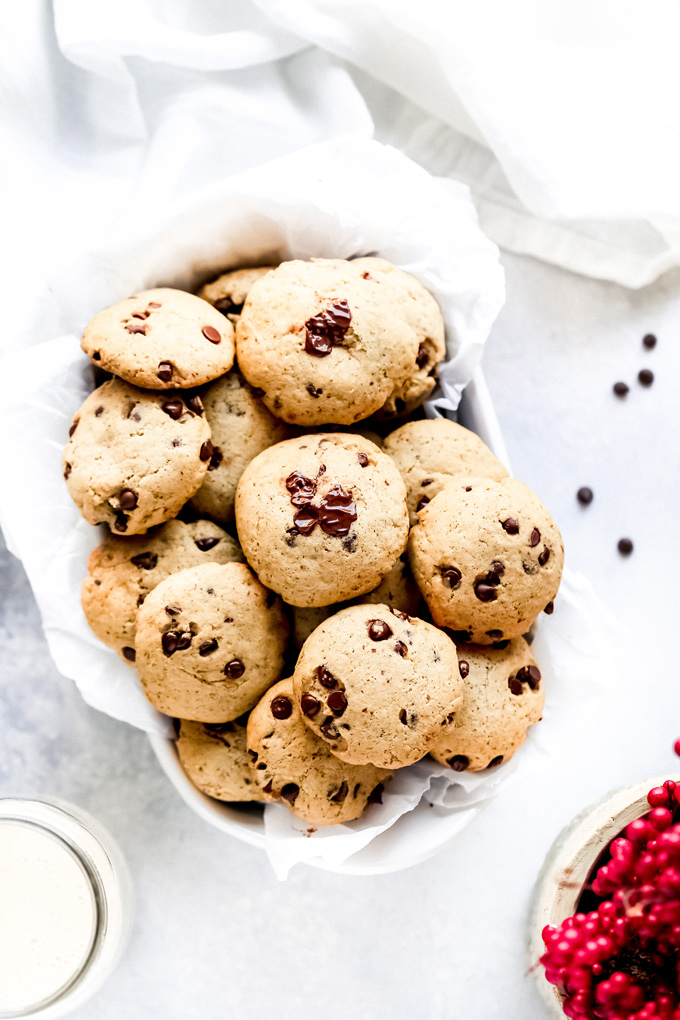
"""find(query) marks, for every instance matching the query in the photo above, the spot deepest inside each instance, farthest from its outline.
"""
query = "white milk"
(48, 916)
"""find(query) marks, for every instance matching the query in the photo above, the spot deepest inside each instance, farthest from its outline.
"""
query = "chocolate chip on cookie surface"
(229, 291)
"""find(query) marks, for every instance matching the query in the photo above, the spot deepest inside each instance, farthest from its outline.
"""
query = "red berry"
(658, 796)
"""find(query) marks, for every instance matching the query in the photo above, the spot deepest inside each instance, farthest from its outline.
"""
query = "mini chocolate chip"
(544, 557)
(485, 592)
(147, 560)
(184, 639)
(169, 642)
(164, 372)
(130, 654)
(67, 470)
(468, 488)
(451, 577)
(175, 408)
(140, 315)
(422, 356)
(649, 341)
(495, 761)
(349, 543)
(211, 334)
(363, 459)
(535, 538)
(530, 675)
(645, 377)
(549, 609)
(625, 546)
(176, 442)
(366, 276)
(495, 635)
(154, 304)
(253, 754)
(74, 426)
(322, 470)
(173, 610)
(234, 669)
(313, 392)
(96, 356)
(400, 616)
(127, 499)
(464, 668)
(584, 495)
(408, 718)
(340, 794)
(497, 571)
(401, 649)
(461, 636)
(204, 544)
(620, 389)
(378, 630)
(290, 791)
(136, 327)
(208, 647)
(281, 707)
(121, 521)
(515, 685)
(195, 404)
(375, 796)
(216, 459)
(310, 705)
(337, 702)
(459, 762)
(291, 536)
(329, 729)
(100, 410)
(325, 677)
(206, 450)
(423, 501)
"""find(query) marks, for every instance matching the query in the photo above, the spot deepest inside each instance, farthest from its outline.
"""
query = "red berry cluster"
(621, 961)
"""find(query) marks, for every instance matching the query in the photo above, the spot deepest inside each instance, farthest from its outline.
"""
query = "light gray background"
(215, 934)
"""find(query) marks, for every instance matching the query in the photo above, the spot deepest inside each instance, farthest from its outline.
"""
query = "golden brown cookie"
(215, 759)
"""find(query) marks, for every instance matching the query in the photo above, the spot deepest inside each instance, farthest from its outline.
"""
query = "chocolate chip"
(127, 499)
(173, 610)
(349, 543)
(339, 794)
(169, 642)
(234, 669)
(306, 519)
(500, 645)
(147, 560)
(511, 526)
(322, 470)
(291, 535)
(497, 571)
(175, 408)
(495, 635)
(460, 636)
(337, 702)
(268, 787)
(74, 426)
(309, 705)
(195, 404)
(204, 544)
(253, 754)
(96, 356)
(649, 341)
(327, 329)
(495, 761)
(535, 538)
(620, 389)
(67, 470)
(485, 592)
(585, 495)
(451, 577)
(129, 653)
(408, 718)
(530, 675)
(325, 677)
(422, 357)
(313, 391)
(645, 377)
(401, 649)
(302, 489)
(140, 315)
(337, 512)
(136, 327)
(378, 630)
(120, 522)
(206, 450)
(544, 557)
(468, 488)
(464, 668)
(515, 685)
(211, 334)
(154, 304)
(329, 729)
(423, 501)
(164, 372)
(290, 791)
(208, 647)
(549, 609)
(625, 546)
(459, 762)
(375, 796)
(281, 707)
(363, 459)
(400, 616)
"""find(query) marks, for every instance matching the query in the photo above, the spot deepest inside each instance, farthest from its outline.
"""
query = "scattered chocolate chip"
(495, 635)
(468, 488)
(146, 561)
(459, 762)
(136, 327)
(401, 649)
(423, 501)
(204, 544)
(164, 372)
(645, 377)
(206, 450)
(515, 685)
(349, 543)
(133, 414)
(175, 408)
(216, 459)
(313, 391)
(625, 546)
(177, 442)
(208, 647)
(535, 538)
(73, 427)
(464, 668)
(495, 761)
(621, 389)
(366, 276)
(281, 707)
(325, 677)
(291, 536)
(337, 702)
(327, 329)
(549, 609)
(329, 729)
(322, 470)
(378, 630)
(400, 616)
(234, 669)
(154, 304)
(422, 357)
(173, 610)
(302, 489)
(253, 754)
(195, 404)
(375, 796)
(67, 470)
(211, 334)
(184, 639)
(544, 557)
(127, 499)
(96, 356)
(363, 459)
(408, 718)
(169, 642)
(497, 571)
(120, 521)
(309, 705)
(129, 653)
(140, 315)
(485, 592)
(649, 341)
(339, 794)
(530, 675)
(451, 577)
(511, 526)
(290, 791)
(585, 496)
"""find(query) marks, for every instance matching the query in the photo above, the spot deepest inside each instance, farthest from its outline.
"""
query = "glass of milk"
(65, 908)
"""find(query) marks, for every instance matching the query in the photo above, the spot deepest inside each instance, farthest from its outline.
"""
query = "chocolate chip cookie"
(487, 557)
(431, 452)
(241, 427)
(210, 641)
(292, 765)
(161, 339)
(215, 759)
(380, 687)
(321, 518)
(229, 291)
(122, 572)
(134, 457)
(503, 697)
(326, 341)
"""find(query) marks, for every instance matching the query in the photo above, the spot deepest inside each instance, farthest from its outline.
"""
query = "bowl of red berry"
(604, 939)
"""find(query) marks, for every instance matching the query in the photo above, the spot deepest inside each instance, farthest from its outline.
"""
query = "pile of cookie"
(316, 602)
